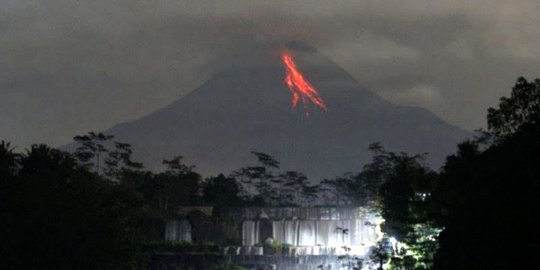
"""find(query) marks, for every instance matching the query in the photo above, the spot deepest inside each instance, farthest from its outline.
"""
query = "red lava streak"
(299, 86)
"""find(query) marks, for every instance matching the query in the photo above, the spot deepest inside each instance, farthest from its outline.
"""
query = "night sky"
(68, 67)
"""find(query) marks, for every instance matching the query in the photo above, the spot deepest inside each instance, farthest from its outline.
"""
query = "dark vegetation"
(98, 209)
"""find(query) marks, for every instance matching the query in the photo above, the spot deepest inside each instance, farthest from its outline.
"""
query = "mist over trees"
(96, 208)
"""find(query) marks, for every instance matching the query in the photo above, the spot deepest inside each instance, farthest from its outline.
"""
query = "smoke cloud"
(67, 67)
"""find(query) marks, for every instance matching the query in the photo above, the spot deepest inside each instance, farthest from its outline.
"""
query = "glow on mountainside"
(300, 88)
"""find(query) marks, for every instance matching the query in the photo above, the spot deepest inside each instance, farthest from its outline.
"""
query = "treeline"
(262, 184)
(97, 201)
(96, 208)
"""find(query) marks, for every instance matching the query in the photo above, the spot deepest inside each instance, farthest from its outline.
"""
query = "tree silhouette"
(487, 196)
(68, 217)
(98, 152)
(260, 180)
(8, 161)
(178, 185)
(90, 150)
(295, 182)
(221, 190)
(520, 109)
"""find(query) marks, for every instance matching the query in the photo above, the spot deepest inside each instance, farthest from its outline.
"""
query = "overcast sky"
(72, 66)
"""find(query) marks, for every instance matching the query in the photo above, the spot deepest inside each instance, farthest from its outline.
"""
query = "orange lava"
(300, 88)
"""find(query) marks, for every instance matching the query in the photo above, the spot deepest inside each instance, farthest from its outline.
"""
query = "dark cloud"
(67, 67)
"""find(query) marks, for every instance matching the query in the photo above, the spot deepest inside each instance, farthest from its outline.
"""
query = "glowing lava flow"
(299, 86)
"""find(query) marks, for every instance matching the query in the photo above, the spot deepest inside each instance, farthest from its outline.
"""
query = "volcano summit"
(248, 108)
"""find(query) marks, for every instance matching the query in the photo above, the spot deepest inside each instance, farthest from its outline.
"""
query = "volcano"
(248, 108)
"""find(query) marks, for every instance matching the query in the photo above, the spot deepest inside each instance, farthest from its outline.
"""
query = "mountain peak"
(249, 108)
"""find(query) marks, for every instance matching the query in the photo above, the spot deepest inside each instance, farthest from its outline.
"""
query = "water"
(312, 231)
(297, 238)
(178, 230)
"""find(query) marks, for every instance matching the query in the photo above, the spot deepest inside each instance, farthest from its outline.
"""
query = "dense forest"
(96, 208)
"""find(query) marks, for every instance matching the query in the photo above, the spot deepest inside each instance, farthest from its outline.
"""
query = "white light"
(393, 241)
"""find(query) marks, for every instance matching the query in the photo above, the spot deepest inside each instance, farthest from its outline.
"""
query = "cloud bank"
(67, 67)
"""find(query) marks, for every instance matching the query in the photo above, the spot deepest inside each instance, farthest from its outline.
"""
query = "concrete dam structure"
(284, 238)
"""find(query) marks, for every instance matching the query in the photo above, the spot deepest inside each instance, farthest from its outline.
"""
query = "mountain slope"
(248, 108)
